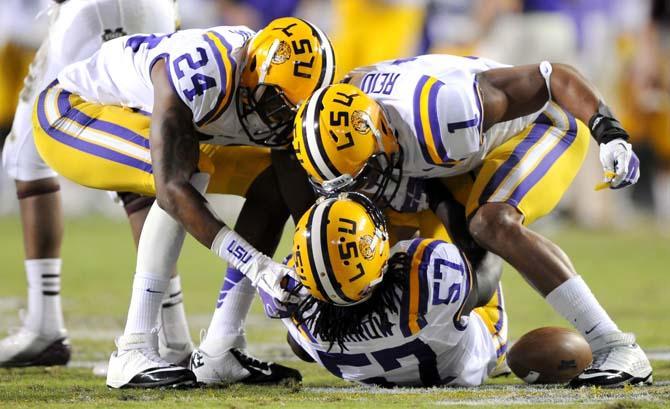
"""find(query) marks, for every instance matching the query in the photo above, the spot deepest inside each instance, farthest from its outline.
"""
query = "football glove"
(620, 163)
(261, 270)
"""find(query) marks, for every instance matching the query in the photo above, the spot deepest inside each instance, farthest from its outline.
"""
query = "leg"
(498, 228)
(448, 207)
(521, 181)
(136, 363)
(43, 338)
(296, 191)
(175, 344)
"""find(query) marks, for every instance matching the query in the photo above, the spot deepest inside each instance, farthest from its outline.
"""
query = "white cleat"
(29, 348)
(136, 364)
(177, 354)
(617, 361)
(220, 368)
(234, 365)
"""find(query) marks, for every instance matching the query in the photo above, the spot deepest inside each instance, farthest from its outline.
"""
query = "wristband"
(231, 247)
(604, 127)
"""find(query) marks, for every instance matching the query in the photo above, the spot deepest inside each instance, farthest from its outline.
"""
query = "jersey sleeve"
(448, 117)
(439, 282)
(202, 73)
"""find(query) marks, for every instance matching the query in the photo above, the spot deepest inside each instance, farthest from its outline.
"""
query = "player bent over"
(509, 139)
(399, 317)
(109, 127)
(77, 29)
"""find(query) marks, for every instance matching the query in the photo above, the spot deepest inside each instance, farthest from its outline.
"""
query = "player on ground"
(225, 86)
(514, 137)
(77, 29)
(404, 317)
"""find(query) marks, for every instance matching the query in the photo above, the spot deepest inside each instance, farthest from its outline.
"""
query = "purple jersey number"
(388, 359)
(201, 82)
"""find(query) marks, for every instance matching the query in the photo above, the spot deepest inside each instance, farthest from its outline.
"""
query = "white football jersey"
(428, 342)
(433, 102)
(203, 65)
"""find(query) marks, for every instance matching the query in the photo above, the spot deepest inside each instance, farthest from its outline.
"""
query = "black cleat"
(265, 372)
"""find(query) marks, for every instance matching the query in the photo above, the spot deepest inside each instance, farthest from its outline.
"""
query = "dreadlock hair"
(333, 323)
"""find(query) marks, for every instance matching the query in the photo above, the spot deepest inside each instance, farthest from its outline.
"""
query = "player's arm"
(174, 155)
(509, 93)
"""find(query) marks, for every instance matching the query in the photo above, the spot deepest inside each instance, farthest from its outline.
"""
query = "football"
(549, 355)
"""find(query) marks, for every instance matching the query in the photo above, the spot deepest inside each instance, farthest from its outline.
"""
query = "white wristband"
(231, 247)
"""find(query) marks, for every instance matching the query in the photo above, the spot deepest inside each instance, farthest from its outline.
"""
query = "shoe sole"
(148, 380)
(185, 384)
(632, 381)
(58, 353)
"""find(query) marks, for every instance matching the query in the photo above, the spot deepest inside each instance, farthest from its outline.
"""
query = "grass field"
(627, 272)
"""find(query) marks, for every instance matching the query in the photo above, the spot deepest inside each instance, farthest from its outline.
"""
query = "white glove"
(260, 269)
(621, 165)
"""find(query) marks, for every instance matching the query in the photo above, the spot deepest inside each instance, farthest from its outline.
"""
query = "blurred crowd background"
(623, 46)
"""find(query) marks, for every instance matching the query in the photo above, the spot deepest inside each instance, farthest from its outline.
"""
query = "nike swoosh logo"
(265, 372)
(149, 290)
(591, 330)
(606, 375)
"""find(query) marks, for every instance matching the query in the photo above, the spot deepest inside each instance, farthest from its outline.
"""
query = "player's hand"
(621, 165)
(275, 308)
(268, 275)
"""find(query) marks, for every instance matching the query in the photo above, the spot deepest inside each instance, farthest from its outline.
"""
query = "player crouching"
(388, 317)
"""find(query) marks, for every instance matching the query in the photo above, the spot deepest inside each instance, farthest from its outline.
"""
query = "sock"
(173, 317)
(45, 314)
(576, 303)
(226, 330)
(145, 302)
(157, 252)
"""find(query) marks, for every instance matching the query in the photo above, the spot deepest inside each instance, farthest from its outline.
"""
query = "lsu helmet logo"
(366, 245)
(282, 54)
(359, 122)
(341, 249)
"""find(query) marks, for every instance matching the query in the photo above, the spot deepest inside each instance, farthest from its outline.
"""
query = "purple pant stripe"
(85, 146)
(546, 163)
(501, 173)
(81, 118)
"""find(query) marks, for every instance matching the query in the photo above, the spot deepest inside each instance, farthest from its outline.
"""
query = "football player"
(405, 316)
(510, 140)
(77, 29)
(142, 131)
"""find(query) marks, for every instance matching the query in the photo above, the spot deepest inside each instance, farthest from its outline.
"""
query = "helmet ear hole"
(252, 64)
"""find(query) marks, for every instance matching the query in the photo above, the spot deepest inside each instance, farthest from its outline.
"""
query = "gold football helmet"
(341, 249)
(286, 62)
(343, 140)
